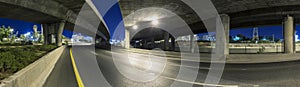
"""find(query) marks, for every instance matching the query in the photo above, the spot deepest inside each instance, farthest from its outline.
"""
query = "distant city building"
(296, 37)
(209, 37)
(76, 38)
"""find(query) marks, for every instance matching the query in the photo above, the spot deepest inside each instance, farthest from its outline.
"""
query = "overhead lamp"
(134, 27)
(155, 22)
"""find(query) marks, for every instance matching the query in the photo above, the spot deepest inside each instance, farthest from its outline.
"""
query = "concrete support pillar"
(51, 32)
(192, 44)
(289, 34)
(45, 33)
(221, 43)
(166, 40)
(152, 43)
(173, 43)
(144, 44)
(59, 33)
(127, 39)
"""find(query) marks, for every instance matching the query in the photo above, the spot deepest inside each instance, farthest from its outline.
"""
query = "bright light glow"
(27, 34)
(236, 38)
(135, 27)
(151, 18)
(11, 30)
(155, 22)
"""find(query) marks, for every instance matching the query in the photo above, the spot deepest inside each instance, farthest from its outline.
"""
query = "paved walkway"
(231, 59)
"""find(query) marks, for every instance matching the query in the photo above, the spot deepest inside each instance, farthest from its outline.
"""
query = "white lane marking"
(201, 84)
(93, 52)
(172, 64)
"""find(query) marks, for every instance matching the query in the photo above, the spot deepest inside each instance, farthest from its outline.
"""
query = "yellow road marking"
(78, 78)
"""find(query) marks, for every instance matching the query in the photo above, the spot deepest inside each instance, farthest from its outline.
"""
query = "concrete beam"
(289, 35)
(49, 7)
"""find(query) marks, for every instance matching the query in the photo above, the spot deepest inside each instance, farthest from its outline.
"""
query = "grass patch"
(15, 59)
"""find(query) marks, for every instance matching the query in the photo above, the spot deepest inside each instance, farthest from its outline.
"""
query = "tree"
(1, 33)
(35, 32)
(242, 37)
(13, 38)
(6, 31)
(22, 36)
(40, 39)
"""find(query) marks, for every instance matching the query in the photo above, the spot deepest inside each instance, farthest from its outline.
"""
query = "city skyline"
(24, 27)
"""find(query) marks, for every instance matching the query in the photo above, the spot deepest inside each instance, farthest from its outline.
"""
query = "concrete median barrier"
(35, 74)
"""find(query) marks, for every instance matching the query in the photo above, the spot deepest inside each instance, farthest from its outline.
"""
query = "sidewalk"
(231, 59)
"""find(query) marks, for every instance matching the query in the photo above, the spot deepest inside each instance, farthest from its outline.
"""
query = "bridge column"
(59, 33)
(144, 44)
(127, 39)
(289, 34)
(152, 43)
(45, 33)
(48, 31)
(223, 43)
(173, 43)
(166, 40)
(192, 44)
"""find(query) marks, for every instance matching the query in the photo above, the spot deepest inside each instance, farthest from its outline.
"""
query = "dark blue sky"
(112, 16)
(262, 31)
(23, 27)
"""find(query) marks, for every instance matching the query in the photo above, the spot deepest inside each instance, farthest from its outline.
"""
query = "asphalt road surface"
(286, 74)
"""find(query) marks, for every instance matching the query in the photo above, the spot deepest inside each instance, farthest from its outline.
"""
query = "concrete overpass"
(54, 15)
(236, 14)
(57, 15)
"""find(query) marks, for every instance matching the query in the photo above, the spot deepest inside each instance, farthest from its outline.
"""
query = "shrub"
(14, 59)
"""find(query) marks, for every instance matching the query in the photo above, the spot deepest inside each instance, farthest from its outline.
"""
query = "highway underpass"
(94, 67)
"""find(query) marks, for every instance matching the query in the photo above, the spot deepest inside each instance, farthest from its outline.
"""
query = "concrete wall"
(36, 73)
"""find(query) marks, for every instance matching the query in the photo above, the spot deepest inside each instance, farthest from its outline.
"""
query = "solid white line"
(198, 83)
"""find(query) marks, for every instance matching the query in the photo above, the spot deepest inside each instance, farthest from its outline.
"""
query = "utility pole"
(273, 38)
(255, 35)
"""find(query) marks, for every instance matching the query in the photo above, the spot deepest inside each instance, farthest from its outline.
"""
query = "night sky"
(23, 27)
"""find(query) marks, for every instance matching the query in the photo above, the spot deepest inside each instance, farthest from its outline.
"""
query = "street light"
(135, 27)
(11, 30)
(27, 34)
(155, 22)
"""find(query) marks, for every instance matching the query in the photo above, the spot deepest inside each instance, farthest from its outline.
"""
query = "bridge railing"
(248, 48)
